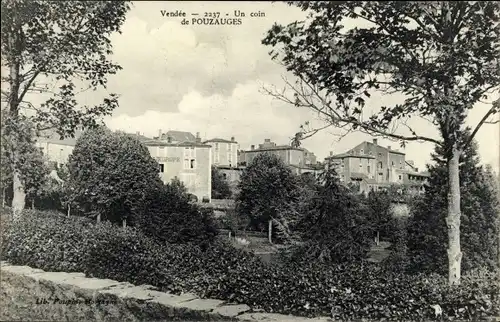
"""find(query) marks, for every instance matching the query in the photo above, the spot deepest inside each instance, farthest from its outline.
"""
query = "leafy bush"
(220, 271)
(170, 217)
(220, 186)
(110, 174)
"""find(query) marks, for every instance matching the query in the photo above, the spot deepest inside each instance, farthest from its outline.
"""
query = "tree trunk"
(69, 210)
(99, 218)
(270, 231)
(124, 222)
(3, 197)
(14, 41)
(377, 239)
(33, 204)
(453, 218)
(19, 196)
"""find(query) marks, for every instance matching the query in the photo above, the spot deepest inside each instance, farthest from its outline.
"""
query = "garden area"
(321, 232)
(336, 252)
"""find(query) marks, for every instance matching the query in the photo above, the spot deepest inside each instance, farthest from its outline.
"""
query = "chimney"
(198, 138)
(331, 153)
(232, 139)
(389, 147)
(267, 140)
(375, 141)
(159, 134)
(137, 133)
(252, 147)
(169, 139)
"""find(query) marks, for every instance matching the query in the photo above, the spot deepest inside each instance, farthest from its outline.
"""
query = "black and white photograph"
(250, 161)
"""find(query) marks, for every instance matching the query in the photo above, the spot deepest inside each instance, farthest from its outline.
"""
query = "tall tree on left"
(52, 49)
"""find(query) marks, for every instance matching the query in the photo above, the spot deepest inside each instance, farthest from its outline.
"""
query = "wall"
(74, 297)
(56, 152)
(224, 153)
(197, 180)
(289, 156)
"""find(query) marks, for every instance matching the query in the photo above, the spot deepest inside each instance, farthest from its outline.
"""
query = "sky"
(210, 79)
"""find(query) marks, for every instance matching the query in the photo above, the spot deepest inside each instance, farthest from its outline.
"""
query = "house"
(372, 167)
(181, 157)
(224, 152)
(298, 159)
(56, 151)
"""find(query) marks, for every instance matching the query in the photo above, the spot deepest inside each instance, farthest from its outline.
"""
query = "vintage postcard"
(250, 160)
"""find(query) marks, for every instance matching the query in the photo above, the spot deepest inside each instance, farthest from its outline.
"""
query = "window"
(229, 145)
(360, 163)
(370, 153)
(399, 177)
(216, 146)
(361, 151)
(189, 158)
(216, 157)
(230, 158)
(392, 163)
(162, 168)
(380, 165)
(379, 155)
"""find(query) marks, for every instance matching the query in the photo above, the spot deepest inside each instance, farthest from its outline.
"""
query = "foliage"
(441, 58)
(266, 187)
(30, 164)
(479, 223)
(111, 174)
(379, 208)
(170, 217)
(350, 292)
(220, 187)
(334, 226)
(52, 49)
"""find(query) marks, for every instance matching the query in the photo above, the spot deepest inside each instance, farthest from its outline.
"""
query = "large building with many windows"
(299, 159)
(372, 166)
(182, 155)
(224, 152)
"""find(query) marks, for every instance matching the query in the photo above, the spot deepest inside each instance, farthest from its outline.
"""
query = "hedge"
(58, 243)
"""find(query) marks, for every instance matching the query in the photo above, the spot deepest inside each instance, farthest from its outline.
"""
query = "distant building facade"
(224, 152)
(299, 160)
(55, 150)
(373, 167)
(182, 155)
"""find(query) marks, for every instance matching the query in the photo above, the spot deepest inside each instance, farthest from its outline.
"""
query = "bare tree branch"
(495, 108)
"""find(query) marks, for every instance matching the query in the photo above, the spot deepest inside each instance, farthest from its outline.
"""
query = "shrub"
(110, 175)
(220, 186)
(171, 217)
(349, 291)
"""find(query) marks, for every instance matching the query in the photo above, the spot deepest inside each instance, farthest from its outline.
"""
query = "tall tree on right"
(480, 216)
(441, 57)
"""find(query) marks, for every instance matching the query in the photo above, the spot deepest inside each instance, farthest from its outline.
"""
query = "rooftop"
(274, 148)
(156, 142)
(218, 140)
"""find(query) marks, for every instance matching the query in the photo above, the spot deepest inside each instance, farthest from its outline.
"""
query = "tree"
(379, 208)
(49, 45)
(441, 56)
(34, 170)
(110, 175)
(266, 186)
(480, 208)
(170, 217)
(220, 187)
(334, 227)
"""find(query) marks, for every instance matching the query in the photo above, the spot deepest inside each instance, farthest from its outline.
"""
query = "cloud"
(207, 79)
